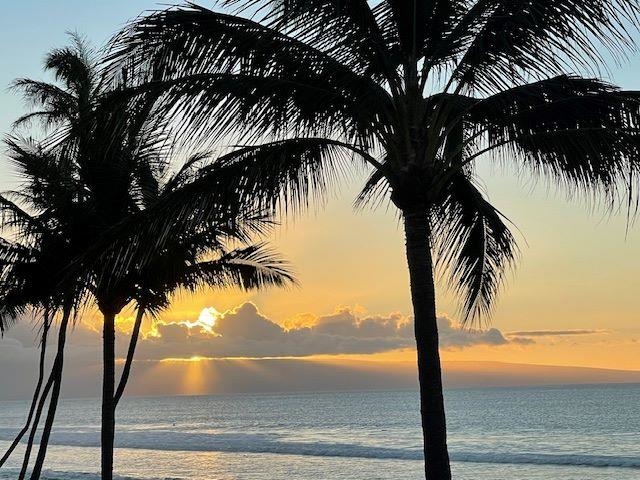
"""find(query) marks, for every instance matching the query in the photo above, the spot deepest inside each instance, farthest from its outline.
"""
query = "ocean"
(559, 433)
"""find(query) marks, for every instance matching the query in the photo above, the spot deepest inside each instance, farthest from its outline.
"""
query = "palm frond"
(421, 25)
(56, 105)
(374, 192)
(506, 41)
(582, 133)
(229, 69)
(74, 66)
(474, 247)
(12, 216)
(248, 268)
(287, 174)
(347, 31)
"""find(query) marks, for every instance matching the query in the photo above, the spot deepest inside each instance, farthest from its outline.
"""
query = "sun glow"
(206, 320)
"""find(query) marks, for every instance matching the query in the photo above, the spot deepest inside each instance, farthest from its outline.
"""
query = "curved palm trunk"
(108, 403)
(130, 353)
(36, 394)
(55, 395)
(434, 431)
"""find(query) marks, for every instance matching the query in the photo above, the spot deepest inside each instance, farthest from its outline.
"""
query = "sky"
(572, 301)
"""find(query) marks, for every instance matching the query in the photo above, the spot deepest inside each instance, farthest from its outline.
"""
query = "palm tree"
(14, 302)
(111, 156)
(419, 91)
(186, 262)
(31, 264)
(194, 257)
(53, 192)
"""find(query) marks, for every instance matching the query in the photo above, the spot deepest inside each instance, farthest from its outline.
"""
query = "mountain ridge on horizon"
(288, 375)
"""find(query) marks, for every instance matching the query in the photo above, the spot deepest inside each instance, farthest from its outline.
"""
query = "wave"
(236, 442)
(12, 474)
(568, 459)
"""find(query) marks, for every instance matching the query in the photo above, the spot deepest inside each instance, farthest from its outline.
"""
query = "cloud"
(246, 332)
(246, 322)
(553, 333)
(453, 335)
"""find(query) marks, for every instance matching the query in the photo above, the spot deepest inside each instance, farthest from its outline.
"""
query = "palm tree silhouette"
(54, 189)
(18, 297)
(193, 257)
(28, 280)
(419, 91)
(109, 155)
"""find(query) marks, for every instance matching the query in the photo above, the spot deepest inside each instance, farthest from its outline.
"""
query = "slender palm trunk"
(108, 405)
(130, 353)
(109, 399)
(434, 431)
(55, 395)
(36, 422)
(36, 393)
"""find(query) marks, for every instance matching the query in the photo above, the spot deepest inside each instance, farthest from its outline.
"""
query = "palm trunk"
(36, 393)
(36, 422)
(130, 353)
(434, 431)
(55, 395)
(108, 383)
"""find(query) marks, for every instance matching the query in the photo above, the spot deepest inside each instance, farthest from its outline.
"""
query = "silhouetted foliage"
(86, 221)
(425, 89)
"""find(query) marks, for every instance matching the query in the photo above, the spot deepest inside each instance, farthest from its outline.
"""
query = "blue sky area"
(30, 28)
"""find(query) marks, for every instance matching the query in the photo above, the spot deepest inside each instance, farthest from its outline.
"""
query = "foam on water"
(54, 475)
(547, 459)
(164, 440)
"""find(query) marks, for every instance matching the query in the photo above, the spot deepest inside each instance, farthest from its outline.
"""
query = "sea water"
(559, 433)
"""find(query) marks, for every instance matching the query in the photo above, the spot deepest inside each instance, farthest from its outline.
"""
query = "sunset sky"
(573, 300)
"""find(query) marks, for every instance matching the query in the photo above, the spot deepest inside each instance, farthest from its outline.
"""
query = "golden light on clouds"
(245, 331)
(206, 320)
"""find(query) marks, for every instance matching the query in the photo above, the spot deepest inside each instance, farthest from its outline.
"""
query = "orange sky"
(577, 272)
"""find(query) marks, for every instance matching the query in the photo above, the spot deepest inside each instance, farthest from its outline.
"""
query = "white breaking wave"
(11, 474)
(237, 442)
(576, 460)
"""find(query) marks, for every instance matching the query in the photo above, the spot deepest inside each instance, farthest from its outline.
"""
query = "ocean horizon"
(560, 432)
